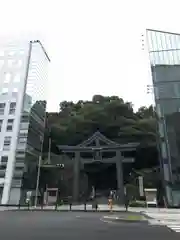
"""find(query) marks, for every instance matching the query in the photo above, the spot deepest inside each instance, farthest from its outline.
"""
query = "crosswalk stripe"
(175, 230)
(174, 227)
(172, 221)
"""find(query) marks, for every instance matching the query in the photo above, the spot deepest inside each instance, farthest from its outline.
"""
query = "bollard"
(19, 206)
(85, 207)
(28, 206)
(126, 203)
(126, 206)
(96, 206)
(56, 207)
(70, 206)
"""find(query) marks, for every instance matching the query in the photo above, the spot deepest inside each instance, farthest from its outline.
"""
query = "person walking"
(126, 202)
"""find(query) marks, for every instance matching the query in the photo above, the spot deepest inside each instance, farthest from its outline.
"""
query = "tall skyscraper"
(23, 95)
(164, 52)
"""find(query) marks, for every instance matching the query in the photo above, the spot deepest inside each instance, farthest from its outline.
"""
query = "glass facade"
(33, 117)
(164, 52)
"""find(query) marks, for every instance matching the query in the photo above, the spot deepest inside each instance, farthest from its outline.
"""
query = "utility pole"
(39, 171)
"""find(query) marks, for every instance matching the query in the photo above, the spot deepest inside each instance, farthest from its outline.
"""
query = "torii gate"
(98, 144)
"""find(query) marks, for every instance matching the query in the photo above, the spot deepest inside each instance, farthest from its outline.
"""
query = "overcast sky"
(94, 45)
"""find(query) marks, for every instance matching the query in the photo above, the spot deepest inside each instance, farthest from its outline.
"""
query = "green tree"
(146, 112)
(110, 115)
(113, 117)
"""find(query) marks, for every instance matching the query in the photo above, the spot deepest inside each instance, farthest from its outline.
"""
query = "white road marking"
(170, 220)
(107, 221)
(110, 217)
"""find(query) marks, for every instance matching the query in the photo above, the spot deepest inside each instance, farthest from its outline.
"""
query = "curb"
(156, 222)
(58, 210)
(151, 220)
(146, 216)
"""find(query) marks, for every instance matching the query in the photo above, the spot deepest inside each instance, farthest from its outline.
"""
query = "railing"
(65, 207)
(72, 207)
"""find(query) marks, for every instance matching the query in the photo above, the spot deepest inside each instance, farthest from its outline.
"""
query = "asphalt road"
(76, 226)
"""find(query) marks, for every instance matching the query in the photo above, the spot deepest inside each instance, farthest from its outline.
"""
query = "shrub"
(137, 204)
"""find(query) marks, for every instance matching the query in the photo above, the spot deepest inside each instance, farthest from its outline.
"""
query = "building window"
(20, 154)
(22, 140)
(11, 53)
(19, 168)
(10, 125)
(12, 108)
(7, 77)
(158, 110)
(15, 91)
(2, 108)
(17, 78)
(4, 159)
(164, 150)
(19, 63)
(2, 173)
(23, 134)
(10, 62)
(5, 91)
(1, 53)
(16, 183)
(161, 129)
(1, 122)
(3, 167)
(24, 119)
(7, 143)
(1, 63)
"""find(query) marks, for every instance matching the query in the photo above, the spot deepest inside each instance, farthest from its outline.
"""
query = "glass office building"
(164, 53)
(23, 95)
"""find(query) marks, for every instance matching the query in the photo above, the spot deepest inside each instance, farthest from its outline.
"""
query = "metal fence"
(64, 207)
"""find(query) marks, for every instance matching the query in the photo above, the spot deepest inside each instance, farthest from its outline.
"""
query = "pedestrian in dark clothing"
(126, 203)
(95, 204)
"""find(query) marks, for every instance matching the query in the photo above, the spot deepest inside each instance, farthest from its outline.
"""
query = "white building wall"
(14, 62)
(23, 76)
(35, 91)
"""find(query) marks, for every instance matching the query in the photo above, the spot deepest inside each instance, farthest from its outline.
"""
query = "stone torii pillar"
(76, 177)
(120, 181)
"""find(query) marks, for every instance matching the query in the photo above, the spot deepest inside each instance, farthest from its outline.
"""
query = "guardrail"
(57, 207)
